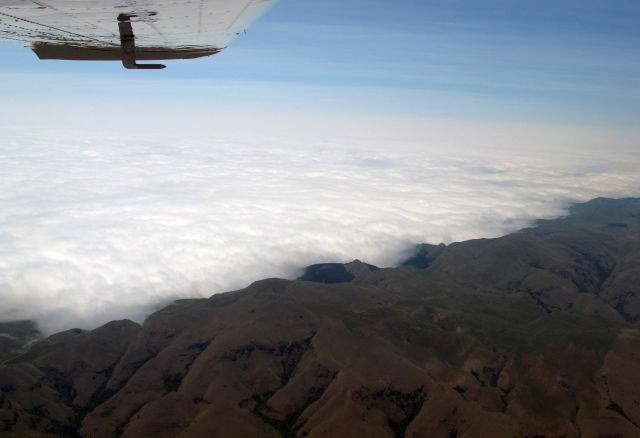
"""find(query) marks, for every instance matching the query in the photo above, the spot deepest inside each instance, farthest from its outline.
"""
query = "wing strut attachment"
(128, 46)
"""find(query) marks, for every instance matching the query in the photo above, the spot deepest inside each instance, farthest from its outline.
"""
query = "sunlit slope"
(590, 257)
(519, 336)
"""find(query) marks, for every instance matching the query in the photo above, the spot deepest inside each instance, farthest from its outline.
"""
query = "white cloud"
(100, 227)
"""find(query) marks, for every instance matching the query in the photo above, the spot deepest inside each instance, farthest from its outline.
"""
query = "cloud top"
(93, 229)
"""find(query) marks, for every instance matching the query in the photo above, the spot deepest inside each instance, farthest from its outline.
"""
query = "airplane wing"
(126, 30)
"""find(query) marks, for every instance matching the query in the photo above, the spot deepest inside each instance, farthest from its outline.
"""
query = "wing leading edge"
(127, 30)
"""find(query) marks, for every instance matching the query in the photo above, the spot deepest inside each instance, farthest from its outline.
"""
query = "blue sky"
(555, 62)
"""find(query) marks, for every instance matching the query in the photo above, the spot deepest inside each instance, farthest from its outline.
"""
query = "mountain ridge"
(533, 333)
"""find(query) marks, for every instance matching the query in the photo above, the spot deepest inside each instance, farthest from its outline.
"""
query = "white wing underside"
(171, 26)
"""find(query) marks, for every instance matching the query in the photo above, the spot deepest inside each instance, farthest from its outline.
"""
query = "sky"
(330, 131)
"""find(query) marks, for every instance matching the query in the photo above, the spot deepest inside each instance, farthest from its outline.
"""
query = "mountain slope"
(532, 334)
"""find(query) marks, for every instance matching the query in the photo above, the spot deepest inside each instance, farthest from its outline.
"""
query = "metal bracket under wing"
(128, 46)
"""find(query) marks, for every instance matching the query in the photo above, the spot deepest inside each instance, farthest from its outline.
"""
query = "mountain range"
(534, 334)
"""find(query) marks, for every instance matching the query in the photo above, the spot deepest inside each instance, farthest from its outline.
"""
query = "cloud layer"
(96, 228)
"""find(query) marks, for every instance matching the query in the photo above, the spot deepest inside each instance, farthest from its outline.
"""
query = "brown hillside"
(532, 334)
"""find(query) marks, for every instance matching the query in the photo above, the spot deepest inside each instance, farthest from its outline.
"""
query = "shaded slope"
(337, 272)
(14, 335)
